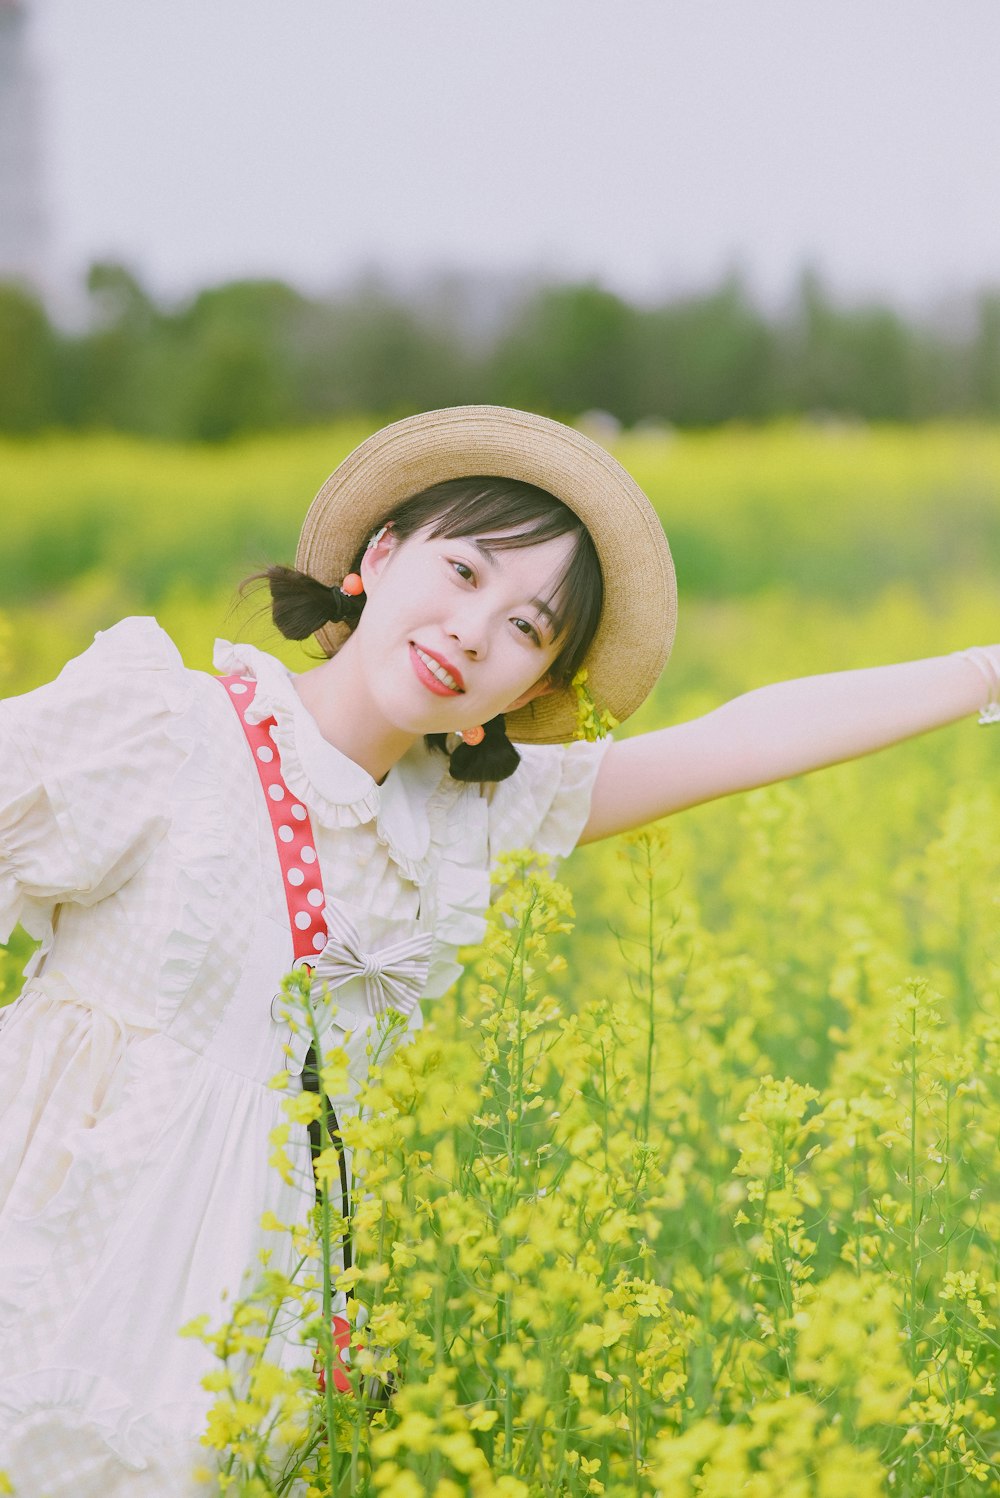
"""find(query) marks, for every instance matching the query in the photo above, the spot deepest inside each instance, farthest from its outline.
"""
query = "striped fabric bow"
(371, 974)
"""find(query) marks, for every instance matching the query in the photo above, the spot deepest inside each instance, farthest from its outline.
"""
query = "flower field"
(690, 1187)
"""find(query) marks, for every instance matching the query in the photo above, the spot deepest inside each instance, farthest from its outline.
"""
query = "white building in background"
(24, 236)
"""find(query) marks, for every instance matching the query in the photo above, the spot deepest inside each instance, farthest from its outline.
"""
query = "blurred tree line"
(259, 355)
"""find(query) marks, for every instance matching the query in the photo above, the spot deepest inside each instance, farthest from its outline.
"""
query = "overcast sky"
(649, 143)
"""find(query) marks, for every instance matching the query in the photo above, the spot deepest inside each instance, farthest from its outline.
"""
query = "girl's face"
(444, 608)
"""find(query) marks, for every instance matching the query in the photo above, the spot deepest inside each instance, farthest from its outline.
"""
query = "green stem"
(913, 1193)
(651, 982)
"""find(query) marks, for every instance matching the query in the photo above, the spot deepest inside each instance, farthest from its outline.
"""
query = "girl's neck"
(335, 694)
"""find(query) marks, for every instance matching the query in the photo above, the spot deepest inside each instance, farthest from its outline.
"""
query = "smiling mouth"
(434, 666)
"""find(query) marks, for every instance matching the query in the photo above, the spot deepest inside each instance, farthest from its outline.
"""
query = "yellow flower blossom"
(302, 1108)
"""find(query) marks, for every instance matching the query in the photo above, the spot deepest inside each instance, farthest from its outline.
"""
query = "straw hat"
(636, 629)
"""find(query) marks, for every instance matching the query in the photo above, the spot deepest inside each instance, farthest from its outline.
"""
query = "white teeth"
(438, 671)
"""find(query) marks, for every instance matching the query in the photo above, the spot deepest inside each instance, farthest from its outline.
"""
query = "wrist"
(986, 660)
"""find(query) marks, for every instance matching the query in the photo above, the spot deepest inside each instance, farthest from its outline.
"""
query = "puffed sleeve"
(546, 802)
(85, 764)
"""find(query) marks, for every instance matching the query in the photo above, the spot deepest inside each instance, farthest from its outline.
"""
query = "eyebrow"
(488, 556)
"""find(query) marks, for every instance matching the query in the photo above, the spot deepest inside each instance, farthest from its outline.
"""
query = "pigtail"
(300, 604)
(493, 759)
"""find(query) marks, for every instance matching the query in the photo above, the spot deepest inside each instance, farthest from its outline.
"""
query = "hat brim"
(638, 620)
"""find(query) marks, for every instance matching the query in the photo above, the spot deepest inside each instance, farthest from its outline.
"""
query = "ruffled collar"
(337, 790)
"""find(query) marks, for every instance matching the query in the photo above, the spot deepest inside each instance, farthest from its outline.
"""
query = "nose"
(469, 628)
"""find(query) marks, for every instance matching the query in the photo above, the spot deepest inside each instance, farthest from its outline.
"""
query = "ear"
(540, 689)
(375, 558)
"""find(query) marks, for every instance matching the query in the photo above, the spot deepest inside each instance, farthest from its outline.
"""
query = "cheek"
(412, 595)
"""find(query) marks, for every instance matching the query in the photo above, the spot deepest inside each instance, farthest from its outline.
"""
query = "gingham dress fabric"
(136, 846)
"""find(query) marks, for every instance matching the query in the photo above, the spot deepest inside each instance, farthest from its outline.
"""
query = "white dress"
(134, 1113)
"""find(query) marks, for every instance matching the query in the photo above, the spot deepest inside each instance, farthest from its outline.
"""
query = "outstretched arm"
(785, 729)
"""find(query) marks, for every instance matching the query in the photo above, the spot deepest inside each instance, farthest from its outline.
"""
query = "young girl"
(177, 841)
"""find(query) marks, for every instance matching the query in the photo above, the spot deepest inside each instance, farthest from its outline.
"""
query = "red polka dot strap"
(293, 836)
(303, 885)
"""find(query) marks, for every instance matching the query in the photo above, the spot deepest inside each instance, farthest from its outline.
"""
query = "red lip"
(453, 671)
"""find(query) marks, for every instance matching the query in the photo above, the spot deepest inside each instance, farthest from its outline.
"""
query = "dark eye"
(465, 569)
(529, 630)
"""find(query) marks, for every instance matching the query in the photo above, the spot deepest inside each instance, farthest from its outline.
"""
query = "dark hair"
(503, 514)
